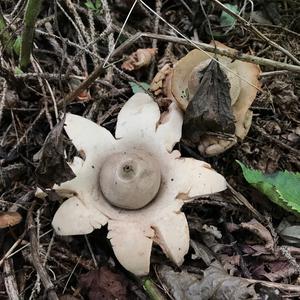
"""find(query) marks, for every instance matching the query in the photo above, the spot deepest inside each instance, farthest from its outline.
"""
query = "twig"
(82, 86)
(287, 254)
(242, 200)
(278, 27)
(67, 42)
(48, 285)
(276, 141)
(111, 40)
(31, 12)
(10, 280)
(24, 136)
(78, 20)
(273, 73)
(91, 251)
(158, 7)
(2, 100)
(256, 31)
(12, 248)
(234, 54)
(276, 285)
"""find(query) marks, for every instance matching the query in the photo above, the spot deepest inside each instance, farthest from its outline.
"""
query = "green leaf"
(98, 4)
(17, 45)
(226, 19)
(141, 88)
(90, 5)
(283, 188)
(18, 71)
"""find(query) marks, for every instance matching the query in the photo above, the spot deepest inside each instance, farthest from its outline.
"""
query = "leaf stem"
(152, 291)
(31, 12)
(5, 37)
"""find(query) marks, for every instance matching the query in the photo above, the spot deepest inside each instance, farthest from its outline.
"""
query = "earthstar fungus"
(135, 182)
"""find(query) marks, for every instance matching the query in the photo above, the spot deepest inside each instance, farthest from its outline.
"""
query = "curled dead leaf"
(138, 59)
(53, 167)
(182, 84)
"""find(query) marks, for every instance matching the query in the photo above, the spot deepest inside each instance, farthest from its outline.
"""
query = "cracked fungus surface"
(140, 129)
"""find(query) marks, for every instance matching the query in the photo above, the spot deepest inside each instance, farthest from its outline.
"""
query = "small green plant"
(17, 45)
(18, 71)
(282, 188)
(227, 20)
(95, 5)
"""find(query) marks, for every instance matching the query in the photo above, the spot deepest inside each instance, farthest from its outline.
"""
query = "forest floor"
(236, 250)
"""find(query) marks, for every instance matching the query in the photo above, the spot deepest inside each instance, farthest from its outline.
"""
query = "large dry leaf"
(53, 167)
(210, 108)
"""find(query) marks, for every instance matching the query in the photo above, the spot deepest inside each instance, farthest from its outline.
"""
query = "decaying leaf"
(210, 108)
(201, 252)
(8, 219)
(104, 284)
(182, 82)
(259, 230)
(283, 188)
(138, 59)
(215, 284)
(274, 271)
(290, 233)
(52, 167)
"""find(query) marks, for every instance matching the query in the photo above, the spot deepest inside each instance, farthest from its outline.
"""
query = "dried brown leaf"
(275, 271)
(210, 108)
(53, 167)
(261, 231)
(8, 219)
(138, 59)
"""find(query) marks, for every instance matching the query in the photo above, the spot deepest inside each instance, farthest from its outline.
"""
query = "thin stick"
(276, 285)
(91, 251)
(276, 141)
(82, 86)
(111, 40)
(256, 31)
(158, 7)
(48, 285)
(242, 200)
(10, 280)
(234, 54)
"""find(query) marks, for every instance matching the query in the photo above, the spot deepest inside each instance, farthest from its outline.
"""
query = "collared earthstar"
(136, 183)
